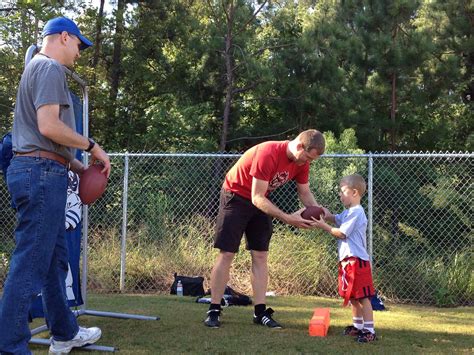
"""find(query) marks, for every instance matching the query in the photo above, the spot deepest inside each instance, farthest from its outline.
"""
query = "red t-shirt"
(266, 161)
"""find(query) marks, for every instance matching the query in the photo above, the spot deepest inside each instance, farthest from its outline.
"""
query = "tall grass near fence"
(300, 262)
(297, 262)
(454, 278)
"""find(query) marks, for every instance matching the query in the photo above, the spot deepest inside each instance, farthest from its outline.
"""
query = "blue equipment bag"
(377, 303)
(6, 153)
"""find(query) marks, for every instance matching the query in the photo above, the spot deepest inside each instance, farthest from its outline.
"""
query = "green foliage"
(421, 246)
(454, 278)
(325, 174)
(296, 65)
(176, 127)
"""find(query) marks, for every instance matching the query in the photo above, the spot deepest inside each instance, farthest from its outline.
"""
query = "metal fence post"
(370, 207)
(123, 250)
(85, 208)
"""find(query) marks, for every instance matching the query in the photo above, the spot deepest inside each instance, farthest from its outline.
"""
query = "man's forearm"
(308, 200)
(268, 207)
(61, 134)
(53, 128)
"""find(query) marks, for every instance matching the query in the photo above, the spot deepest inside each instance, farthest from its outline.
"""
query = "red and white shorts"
(355, 279)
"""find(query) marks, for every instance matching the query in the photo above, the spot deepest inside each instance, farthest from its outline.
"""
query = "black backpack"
(192, 286)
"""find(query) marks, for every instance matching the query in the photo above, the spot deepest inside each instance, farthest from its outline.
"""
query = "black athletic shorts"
(236, 216)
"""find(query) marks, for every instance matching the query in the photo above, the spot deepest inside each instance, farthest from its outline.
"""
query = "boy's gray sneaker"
(366, 337)
(83, 337)
(352, 331)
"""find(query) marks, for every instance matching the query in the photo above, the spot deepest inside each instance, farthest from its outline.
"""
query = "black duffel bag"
(192, 286)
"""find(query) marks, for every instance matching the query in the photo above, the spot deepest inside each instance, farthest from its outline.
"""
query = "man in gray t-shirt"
(44, 143)
(43, 82)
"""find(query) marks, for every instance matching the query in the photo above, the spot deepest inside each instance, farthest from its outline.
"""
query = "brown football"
(92, 184)
(312, 211)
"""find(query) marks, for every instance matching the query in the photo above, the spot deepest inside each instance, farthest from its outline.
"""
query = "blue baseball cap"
(60, 24)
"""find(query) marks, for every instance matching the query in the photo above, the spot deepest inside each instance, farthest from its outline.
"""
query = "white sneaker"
(84, 336)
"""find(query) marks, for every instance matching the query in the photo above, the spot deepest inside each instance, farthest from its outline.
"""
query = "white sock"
(358, 322)
(369, 326)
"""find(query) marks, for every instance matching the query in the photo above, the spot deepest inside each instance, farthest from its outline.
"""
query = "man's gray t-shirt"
(353, 223)
(43, 82)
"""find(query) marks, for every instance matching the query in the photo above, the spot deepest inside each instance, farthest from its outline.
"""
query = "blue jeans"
(39, 262)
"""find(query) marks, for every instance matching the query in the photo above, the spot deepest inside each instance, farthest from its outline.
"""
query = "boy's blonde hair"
(355, 181)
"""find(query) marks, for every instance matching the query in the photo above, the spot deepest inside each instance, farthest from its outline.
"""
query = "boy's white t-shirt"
(353, 223)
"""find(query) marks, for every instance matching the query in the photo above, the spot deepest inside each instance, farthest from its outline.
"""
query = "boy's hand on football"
(319, 223)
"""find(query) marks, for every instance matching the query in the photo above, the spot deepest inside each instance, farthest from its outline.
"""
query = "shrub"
(454, 280)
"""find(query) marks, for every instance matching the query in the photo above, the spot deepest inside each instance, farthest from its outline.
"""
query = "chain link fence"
(157, 218)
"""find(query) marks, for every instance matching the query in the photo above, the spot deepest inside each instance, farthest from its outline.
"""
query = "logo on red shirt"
(279, 179)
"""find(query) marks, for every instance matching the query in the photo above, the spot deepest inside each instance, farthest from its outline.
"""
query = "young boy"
(355, 274)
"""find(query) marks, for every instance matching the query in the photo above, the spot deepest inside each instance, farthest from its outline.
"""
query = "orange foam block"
(319, 323)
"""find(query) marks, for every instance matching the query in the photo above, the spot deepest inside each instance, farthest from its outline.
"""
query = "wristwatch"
(91, 145)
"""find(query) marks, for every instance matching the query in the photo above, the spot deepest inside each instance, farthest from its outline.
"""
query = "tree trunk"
(393, 108)
(229, 79)
(24, 30)
(98, 35)
(230, 67)
(115, 69)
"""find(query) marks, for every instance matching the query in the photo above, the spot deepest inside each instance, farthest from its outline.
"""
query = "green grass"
(403, 329)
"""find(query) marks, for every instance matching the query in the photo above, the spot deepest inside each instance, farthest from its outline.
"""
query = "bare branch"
(404, 32)
(260, 50)
(246, 88)
(273, 98)
(251, 18)
(225, 10)
(259, 137)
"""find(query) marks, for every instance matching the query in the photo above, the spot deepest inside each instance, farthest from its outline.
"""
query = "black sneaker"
(212, 320)
(266, 319)
(352, 331)
(366, 337)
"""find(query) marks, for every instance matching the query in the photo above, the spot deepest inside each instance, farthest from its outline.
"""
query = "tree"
(446, 80)
(19, 28)
(225, 75)
(236, 17)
